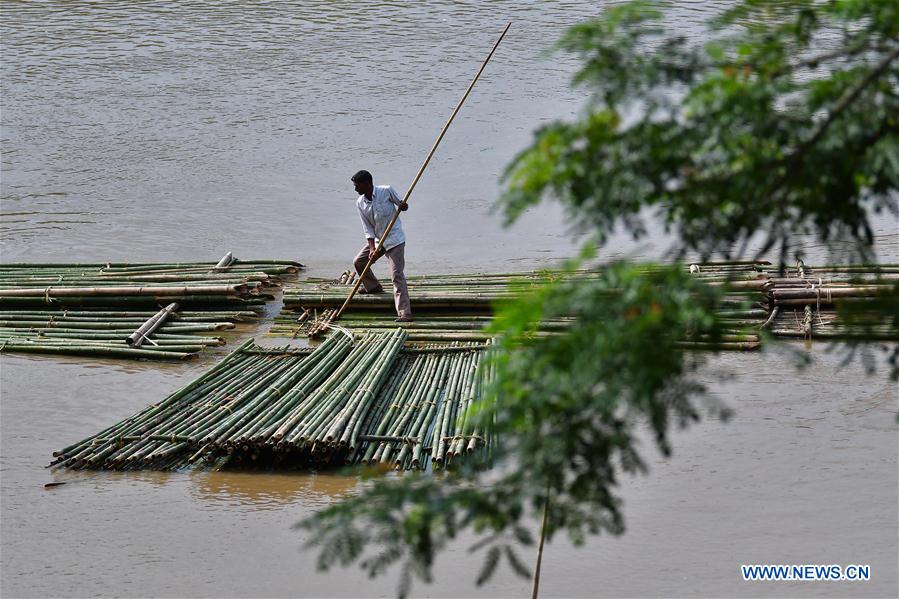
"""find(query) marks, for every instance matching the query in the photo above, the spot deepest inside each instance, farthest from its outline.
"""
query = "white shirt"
(377, 213)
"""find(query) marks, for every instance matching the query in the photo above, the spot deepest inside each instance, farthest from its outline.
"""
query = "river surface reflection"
(270, 490)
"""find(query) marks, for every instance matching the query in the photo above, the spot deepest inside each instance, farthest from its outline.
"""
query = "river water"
(180, 130)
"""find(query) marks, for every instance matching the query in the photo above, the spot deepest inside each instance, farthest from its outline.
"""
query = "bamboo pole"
(87, 350)
(225, 262)
(137, 338)
(51, 292)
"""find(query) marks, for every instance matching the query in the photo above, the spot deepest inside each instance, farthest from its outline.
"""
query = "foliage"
(874, 320)
(784, 124)
(757, 132)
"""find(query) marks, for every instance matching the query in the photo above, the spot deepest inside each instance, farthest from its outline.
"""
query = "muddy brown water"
(176, 130)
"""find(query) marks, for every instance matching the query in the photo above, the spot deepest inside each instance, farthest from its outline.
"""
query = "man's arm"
(395, 198)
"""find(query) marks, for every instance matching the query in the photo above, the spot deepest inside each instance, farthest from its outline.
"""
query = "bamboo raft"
(399, 396)
(139, 311)
(230, 283)
(348, 401)
(803, 303)
(798, 303)
(459, 307)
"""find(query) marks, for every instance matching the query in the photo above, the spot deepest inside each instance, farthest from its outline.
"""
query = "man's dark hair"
(361, 177)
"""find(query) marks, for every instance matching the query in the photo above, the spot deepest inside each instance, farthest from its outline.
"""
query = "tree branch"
(844, 103)
(816, 60)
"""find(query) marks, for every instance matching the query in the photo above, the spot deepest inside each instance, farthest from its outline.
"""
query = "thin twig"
(536, 583)
(814, 61)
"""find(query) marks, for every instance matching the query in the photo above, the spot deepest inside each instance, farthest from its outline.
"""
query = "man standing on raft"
(377, 205)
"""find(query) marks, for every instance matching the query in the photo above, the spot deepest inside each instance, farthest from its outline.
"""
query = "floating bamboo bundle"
(146, 311)
(808, 322)
(459, 307)
(298, 408)
(196, 302)
(51, 293)
(423, 413)
(799, 302)
(804, 301)
(228, 282)
(136, 335)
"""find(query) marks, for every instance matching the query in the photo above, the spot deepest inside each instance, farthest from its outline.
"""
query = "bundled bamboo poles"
(479, 290)
(808, 322)
(459, 307)
(804, 301)
(228, 282)
(824, 286)
(144, 311)
(51, 293)
(344, 402)
(429, 326)
(164, 335)
(333, 415)
(422, 415)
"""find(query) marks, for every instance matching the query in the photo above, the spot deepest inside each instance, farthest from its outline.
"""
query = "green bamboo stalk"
(30, 348)
(394, 404)
(419, 426)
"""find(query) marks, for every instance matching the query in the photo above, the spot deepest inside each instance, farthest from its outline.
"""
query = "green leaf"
(489, 567)
(517, 566)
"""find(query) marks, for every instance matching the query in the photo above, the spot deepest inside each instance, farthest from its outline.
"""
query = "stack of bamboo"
(456, 292)
(423, 410)
(460, 307)
(804, 302)
(106, 333)
(230, 283)
(348, 401)
(113, 310)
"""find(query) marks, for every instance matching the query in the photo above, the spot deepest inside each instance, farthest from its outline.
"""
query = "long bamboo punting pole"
(418, 175)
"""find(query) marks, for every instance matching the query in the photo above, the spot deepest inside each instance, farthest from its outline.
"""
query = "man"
(377, 205)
